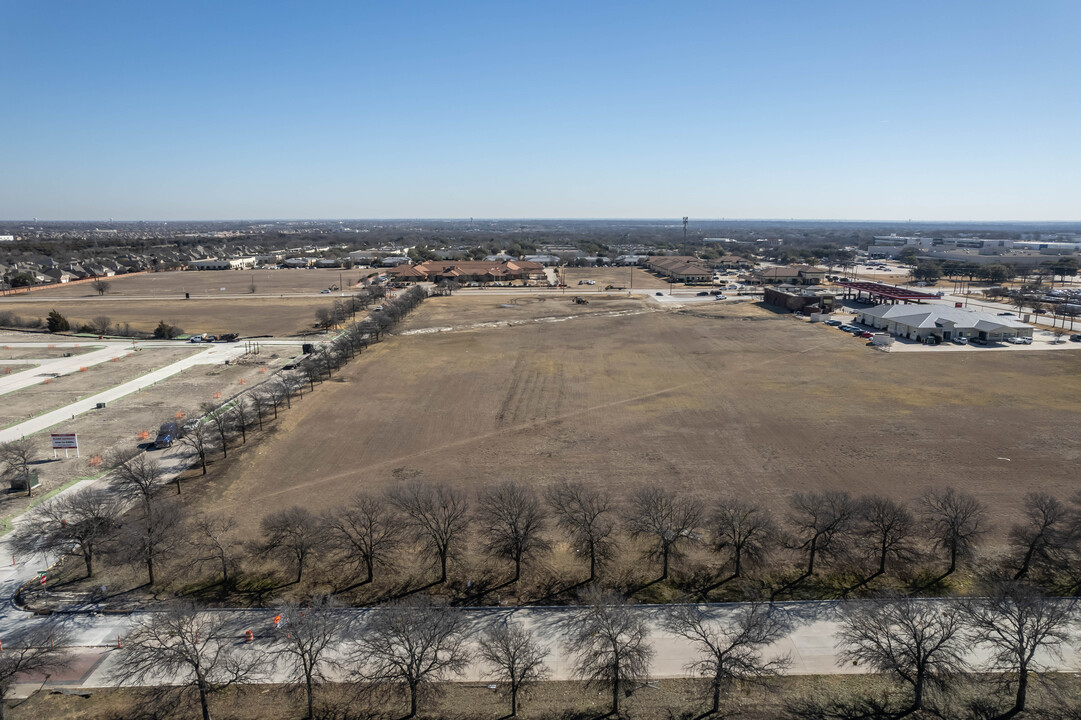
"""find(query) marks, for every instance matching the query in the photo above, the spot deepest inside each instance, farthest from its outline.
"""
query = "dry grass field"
(617, 276)
(662, 700)
(726, 400)
(208, 283)
(247, 316)
(220, 300)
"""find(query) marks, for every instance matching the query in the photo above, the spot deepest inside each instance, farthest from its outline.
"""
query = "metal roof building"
(941, 322)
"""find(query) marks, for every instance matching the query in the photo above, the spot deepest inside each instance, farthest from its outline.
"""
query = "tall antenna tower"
(684, 234)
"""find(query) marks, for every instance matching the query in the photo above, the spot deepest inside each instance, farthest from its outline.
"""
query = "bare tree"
(730, 652)
(200, 440)
(1043, 537)
(214, 540)
(219, 421)
(666, 520)
(609, 643)
(308, 636)
(32, 649)
(412, 645)
(17, 456)
(435, 515)
(73, 523)
(101, 286)
(1015, 622)
(281, 391)
(586, 516)
(136, 476)
(150, 533)
(326, 318)
(511, 524)
(294, 531)
(263, 399)
(366, 530)
(515, 656)
(885, 531)
(242, 414)
(955, 522)
(195, 649)
(100, 324)
(916, 642)
(821, 526)
(743, 530)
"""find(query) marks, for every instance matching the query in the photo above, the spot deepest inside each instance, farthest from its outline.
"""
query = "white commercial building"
(222, 264)
(918, 322)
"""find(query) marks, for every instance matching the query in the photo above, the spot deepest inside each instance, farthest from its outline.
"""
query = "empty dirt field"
(618, 276)
(461, 312)
(744, 402)
(247, 316)
(14, 351)
(51, 393)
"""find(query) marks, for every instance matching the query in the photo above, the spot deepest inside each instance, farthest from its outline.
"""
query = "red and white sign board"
(65, 441)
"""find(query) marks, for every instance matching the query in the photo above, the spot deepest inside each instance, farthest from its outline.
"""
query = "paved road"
(61, 366)
(213, 354)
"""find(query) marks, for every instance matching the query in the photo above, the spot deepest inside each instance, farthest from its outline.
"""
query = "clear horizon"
(772, 111)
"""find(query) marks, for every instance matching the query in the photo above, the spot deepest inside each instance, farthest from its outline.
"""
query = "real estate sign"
(65, 441)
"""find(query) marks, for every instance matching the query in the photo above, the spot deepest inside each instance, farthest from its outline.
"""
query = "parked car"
(960, 341)
(1015, 340)
(660, 294)
(702, 294)
(1075, 338)
(721, 297)
(324, 292)
(167, 433)
(833, 323)
(866, 334)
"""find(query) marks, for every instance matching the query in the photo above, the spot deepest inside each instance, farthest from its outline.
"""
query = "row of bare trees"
(411, 646)
(858, 539)
(923, 648)
(1006, 633)
(137, 522)
(864, 538)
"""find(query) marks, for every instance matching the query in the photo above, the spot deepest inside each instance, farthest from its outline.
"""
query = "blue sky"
(857, 110)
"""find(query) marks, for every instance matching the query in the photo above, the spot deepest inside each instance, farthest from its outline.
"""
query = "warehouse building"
(943, 324)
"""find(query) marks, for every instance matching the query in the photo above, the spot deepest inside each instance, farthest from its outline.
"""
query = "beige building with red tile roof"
(468, 271)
